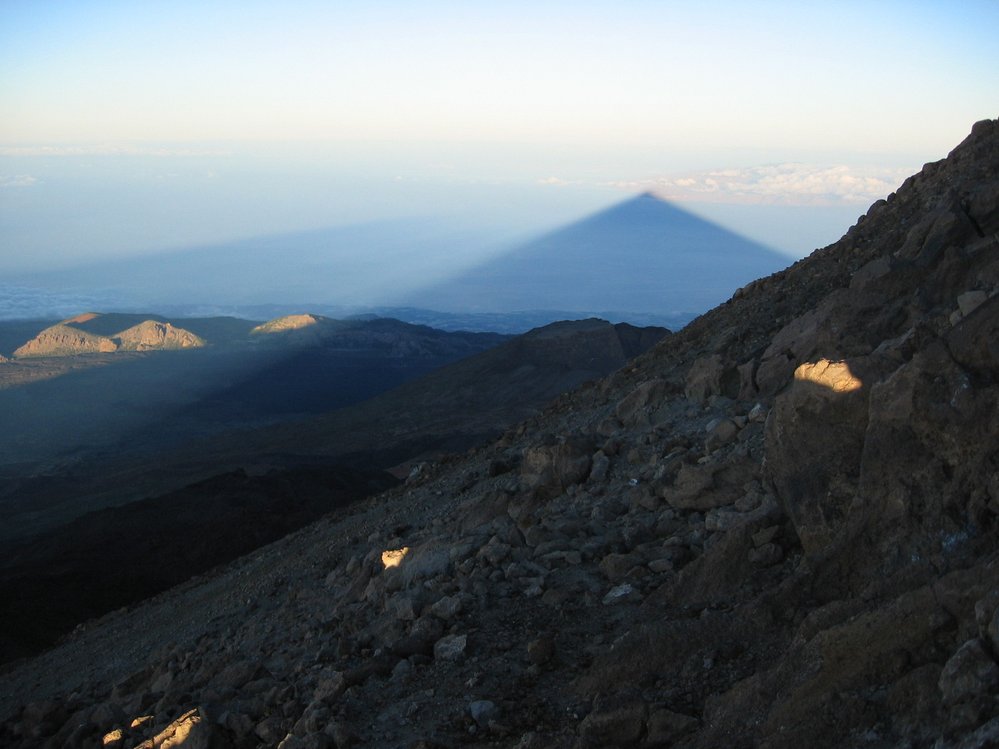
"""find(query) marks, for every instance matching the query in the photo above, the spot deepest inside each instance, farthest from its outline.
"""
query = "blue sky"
(138, 126)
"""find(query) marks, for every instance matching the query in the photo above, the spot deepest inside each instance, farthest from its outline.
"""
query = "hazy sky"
(136, 126)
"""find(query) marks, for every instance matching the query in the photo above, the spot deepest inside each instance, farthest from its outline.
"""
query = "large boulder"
(929, 442)
(827, 331)
(711, 375)
(814, 441)
(548, 470)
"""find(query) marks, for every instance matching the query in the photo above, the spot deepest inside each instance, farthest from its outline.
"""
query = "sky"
(139, 127)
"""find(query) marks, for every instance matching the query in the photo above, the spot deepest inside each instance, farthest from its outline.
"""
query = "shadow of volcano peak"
(643, 255)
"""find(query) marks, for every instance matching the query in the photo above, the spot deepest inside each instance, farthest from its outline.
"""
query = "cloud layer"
(17, 180)
(780, 184)
(27, 302)
(108, 149)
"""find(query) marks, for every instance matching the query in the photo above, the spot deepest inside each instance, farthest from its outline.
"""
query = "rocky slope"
(68, 575)
(777, 528)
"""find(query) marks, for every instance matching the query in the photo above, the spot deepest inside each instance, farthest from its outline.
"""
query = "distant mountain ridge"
(103, 333)
(85, 379)
(644, 255)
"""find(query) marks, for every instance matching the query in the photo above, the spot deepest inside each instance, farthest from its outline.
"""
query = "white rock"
(622, 593)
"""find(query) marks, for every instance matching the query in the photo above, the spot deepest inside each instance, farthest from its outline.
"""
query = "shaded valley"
(115, 557)
(100, 528)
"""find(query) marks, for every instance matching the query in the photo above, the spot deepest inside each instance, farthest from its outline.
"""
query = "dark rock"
(637, 407)
(665, 727)
(483, 711)
(969, 674)
(708, 376)
(550, 470)
(421, 637)
(540, 650)
(814, 441)
(621, 727)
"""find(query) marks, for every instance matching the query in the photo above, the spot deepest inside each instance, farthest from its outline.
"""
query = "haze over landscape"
(538, 375)
(437, 135)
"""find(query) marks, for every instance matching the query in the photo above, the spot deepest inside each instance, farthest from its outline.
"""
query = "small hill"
(64, 340)
(153, 335)
(69, 338)
(83, 317)
(219, 331)
(286, 323)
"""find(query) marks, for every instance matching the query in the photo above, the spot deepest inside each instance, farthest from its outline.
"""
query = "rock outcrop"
(776, 528)
(153, 335)
(286, 323)
(65, 339)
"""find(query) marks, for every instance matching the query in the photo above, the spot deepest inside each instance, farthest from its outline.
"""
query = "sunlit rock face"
(83, 317)
(157, 335)
(834, 375)
(63, 340)
(288, 322)
(394, 557)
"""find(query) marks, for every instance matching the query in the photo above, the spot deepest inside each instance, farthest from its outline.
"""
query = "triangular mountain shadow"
(642, 255)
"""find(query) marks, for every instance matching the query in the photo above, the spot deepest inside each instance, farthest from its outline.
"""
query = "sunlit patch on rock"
(394, 557)
(835, 375)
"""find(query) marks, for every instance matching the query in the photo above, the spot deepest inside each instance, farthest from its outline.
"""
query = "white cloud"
(107, 149)
(554, 182)
(789, 184)
(17, 180)
(25, 303)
